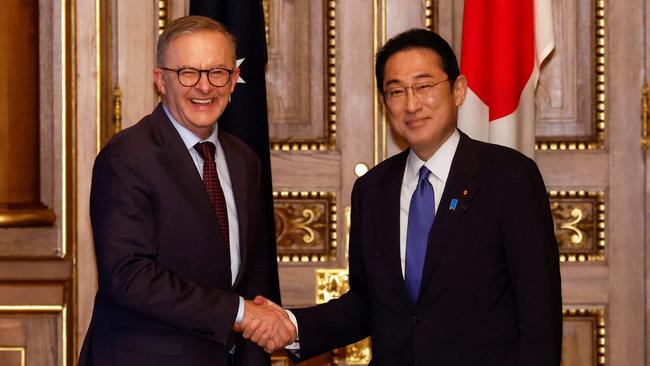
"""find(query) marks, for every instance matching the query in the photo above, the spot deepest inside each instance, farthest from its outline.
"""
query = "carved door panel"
(327, 127)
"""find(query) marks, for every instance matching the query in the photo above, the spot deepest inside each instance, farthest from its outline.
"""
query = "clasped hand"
(266, 324)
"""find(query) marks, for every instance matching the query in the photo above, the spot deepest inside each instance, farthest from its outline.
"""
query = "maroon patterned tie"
(212, 185)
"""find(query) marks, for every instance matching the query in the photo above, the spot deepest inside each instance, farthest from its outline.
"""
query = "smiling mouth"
(414, 121)
(202, 102)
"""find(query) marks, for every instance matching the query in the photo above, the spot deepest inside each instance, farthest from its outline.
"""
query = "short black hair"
(417, 38)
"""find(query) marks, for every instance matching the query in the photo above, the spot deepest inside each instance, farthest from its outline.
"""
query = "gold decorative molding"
(163, 15)
(20, 350)
(329, 142)
(117, 109)
(579, 218)
(598, 139)
(359, 353)
(26, 217)
(266, 6)
(331, 284)
(22, 309)
(645, 116)
(379, 116)
(305, 226)
(429, 15)
(597, 316)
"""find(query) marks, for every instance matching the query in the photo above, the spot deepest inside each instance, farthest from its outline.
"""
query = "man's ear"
(159, 78)
(460, 90)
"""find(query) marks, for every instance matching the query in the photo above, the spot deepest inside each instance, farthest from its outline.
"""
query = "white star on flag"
(240, 80)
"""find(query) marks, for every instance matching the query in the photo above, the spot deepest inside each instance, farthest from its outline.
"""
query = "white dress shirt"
(439, 165)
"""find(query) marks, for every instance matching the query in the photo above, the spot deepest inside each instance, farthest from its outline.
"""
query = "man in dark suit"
(178, 224)
(453, 259)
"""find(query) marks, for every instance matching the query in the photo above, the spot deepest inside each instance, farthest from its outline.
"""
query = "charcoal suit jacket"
(165, 295)
(490, 290)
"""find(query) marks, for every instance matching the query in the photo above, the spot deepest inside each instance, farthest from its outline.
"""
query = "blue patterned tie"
(421, 214)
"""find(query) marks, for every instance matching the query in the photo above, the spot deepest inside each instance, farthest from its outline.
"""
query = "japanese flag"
(504, 44)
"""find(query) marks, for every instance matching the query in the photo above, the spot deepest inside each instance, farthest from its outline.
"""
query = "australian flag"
(246, 115)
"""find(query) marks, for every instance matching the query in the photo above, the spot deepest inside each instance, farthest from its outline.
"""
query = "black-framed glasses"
(189, 76)
(423, 90)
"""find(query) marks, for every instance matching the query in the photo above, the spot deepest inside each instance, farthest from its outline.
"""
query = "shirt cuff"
(295, 346)
(240, 311)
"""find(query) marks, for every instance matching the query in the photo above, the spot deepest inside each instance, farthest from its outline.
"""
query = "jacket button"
(417, 318)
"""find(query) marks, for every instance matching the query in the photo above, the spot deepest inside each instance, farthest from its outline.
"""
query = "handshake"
(266, 324)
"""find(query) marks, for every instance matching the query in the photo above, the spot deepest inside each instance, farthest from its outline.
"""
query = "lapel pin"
(453, 204)
(465, 193)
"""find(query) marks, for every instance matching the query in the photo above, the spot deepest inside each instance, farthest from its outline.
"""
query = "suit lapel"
(178, 164)
(240, 187)
(462, 187)
(388, 225)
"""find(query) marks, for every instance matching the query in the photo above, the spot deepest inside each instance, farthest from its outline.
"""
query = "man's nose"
(203, 84)
(412, 100)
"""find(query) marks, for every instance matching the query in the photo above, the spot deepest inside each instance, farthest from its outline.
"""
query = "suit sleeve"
(533, 263)
(124, 228)
(344, 320)
(261, 271)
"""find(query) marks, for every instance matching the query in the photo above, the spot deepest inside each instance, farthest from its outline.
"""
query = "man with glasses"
(453, 258)
(176, 209)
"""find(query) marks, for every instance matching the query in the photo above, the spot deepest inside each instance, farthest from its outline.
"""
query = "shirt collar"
(439, 164)
(189, 138)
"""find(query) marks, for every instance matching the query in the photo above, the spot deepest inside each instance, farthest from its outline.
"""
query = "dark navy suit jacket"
(491, 282)
(165, 295)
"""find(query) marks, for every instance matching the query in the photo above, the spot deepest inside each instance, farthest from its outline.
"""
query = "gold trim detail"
(163, 15)
(379, 113)
(266, 7)
(20, 350)
(429, 15)
(31, 308)
(329, 142)
(597, 316)
(598, 140)
(26, 217)
(331, 284)
(579, 224)
(306, 226)
(359, 353)
(98, 75)
(117, 109)
(645, 115)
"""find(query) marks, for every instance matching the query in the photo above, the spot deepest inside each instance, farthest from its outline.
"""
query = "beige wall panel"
(26, 293)
(626, 333)
(296, 70)
(564, 97)
(12, 356)
(578, 346)
(35, 270)
(585, 283)
(137, 34)
(306, 171)
(572, 169)
(87, 147)
(29, 242)
(38, 334)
